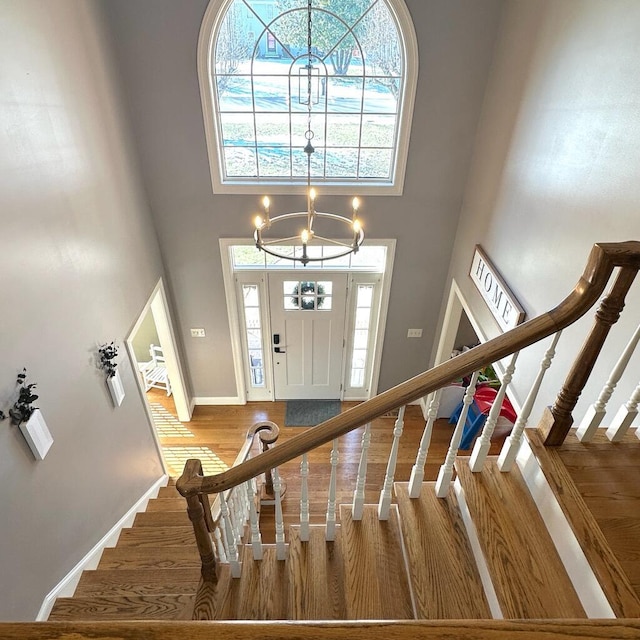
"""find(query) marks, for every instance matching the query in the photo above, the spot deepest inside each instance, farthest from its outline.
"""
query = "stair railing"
(219, 529)
(603, 259)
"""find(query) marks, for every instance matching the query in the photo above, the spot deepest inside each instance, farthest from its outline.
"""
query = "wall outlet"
(414, 333)
(197, 333)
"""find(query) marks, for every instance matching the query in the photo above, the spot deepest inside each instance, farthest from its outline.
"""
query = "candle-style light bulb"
(304, 236)
(258, 222)
(357, 225)
(312, 194)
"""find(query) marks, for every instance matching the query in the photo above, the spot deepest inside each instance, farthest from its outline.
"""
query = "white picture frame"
(37, 434)
(116, 388)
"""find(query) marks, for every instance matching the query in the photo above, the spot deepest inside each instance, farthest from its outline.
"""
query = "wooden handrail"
(603, 259)
(326, 630)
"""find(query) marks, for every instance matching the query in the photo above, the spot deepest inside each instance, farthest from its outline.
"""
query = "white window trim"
(208, 30)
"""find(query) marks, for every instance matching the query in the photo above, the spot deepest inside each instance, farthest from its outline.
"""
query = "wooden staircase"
(152, 573)
(418, 564)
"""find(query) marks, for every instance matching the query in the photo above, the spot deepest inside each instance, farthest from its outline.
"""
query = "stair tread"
(169, 492)
(374, 567)
(316, 576)
(167, 504)
(150, 558)
(527, 573)
(611, 574)
(165, 607)
(259, 594)
(157, 536)
(162, 519)
(442, 569)
(138, 582)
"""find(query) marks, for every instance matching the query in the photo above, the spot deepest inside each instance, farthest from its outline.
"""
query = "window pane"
(359, 358)
(342, 162)
(234, 93)
(362, 318)
(357, 378)
(254, 339)
(365, 295)
(325, 286)
(247, 256)
(343, 130)
(375, 163)
(250, 294)
(252, 317)
(240, 162)
(378, 131)
(360, 339)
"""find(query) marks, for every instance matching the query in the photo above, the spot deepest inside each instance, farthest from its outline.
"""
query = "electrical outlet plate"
(197, 333)
(414, 333)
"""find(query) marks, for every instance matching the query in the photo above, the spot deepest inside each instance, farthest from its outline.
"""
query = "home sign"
(501, 302)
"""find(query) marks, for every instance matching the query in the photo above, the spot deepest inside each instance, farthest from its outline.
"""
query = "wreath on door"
(303, 295)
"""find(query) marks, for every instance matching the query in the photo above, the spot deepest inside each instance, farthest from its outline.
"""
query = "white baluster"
(281, 549)
(417, 473)
(483, 443)
(625, 417)
(222, 552)
(254, 523)
(304, 499)
(358, 494)
(446, 470)
(597, 411)
(330, 533)
(384, 504)
(229, 538)
(512, 445)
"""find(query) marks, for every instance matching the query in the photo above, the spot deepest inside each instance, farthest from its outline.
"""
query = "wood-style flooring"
(218, 432)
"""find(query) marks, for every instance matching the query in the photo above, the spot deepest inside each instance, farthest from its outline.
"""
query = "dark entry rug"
(309, 413)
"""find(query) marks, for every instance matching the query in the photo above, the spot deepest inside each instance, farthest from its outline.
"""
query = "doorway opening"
(151, 343)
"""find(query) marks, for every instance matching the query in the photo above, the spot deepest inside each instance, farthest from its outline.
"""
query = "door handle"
(278, 350)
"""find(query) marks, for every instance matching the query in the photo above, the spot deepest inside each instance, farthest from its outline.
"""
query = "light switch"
(197, 333)
(414, 333)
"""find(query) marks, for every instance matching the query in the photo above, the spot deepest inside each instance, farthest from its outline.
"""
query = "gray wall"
(79, 259)
(556, 168)
(156, 44)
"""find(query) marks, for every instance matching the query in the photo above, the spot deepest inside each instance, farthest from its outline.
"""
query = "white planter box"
(37, 434)
(116, 389)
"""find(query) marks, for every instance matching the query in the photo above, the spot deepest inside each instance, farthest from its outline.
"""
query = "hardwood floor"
(217, 432)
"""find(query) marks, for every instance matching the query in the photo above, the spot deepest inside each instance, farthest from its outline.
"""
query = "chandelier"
(264, 224)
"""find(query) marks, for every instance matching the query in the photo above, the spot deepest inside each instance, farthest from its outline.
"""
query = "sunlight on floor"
(176, 457)
(167, 425)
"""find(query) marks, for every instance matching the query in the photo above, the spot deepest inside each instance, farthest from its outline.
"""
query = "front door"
(307, 324)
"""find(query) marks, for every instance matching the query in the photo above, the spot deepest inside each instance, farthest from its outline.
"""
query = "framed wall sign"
(501, 302)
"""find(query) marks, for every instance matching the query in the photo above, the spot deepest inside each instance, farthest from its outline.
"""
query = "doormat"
(309, 413)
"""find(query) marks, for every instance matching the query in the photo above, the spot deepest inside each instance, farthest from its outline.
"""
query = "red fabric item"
(485, 397)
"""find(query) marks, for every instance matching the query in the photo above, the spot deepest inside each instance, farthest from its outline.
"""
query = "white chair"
(154, 372)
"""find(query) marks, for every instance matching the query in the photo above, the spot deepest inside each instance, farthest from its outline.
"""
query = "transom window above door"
(254, 77)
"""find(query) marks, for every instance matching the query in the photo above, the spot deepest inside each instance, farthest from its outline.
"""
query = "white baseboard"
(580, 573)
(217, 400)
(66, 587)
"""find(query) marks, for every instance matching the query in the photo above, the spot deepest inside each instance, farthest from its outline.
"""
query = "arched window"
(253, 57)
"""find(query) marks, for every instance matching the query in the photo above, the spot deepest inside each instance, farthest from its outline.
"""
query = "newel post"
(195, 510)
(556, 423)
(199, 519)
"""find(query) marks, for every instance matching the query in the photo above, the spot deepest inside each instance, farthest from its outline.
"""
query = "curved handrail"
(603, 259)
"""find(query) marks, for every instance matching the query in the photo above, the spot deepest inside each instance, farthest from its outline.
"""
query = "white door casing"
(307, 334)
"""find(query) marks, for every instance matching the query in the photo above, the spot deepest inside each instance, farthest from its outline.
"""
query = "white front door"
(307, 342)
